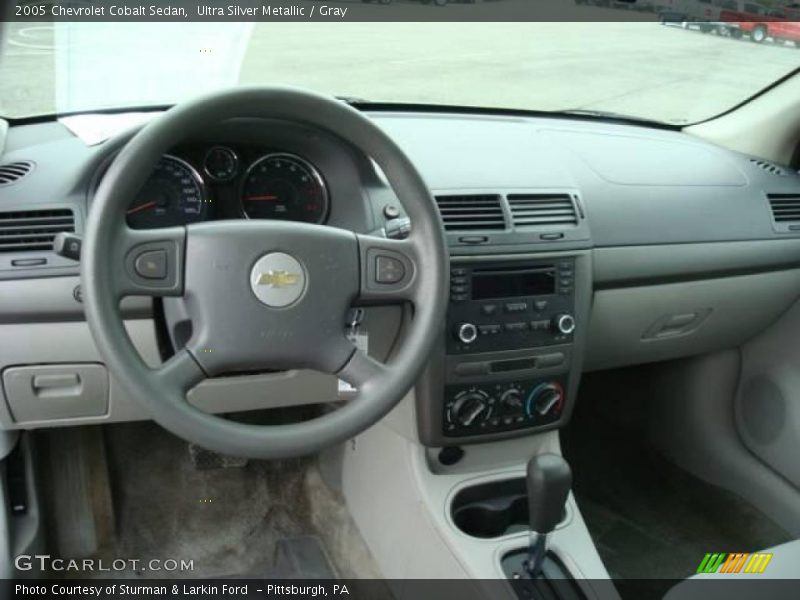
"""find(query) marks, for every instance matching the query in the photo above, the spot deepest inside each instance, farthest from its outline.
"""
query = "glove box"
(63, 391)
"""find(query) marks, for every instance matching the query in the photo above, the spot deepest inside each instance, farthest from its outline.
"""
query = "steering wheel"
(263, 294)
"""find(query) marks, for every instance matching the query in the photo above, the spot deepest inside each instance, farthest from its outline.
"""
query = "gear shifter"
(549, 479)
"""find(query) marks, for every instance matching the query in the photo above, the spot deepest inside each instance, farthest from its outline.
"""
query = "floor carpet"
(650, 519)
(274, 519)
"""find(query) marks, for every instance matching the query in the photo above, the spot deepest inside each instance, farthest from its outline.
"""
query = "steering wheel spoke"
(180, 373)
(151, 262)
(389, 270)
(362, 369)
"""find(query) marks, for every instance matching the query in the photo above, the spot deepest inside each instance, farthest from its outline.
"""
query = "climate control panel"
(486, 408)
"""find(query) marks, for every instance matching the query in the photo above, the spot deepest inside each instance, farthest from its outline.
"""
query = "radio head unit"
(508, 306)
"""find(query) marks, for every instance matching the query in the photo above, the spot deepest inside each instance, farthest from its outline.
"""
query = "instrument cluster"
(222, 182)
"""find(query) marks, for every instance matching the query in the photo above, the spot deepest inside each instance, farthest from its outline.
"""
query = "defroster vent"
(13, 172)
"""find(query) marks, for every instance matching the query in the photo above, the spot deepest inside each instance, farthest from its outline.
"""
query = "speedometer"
(173, 195)
(284, 186)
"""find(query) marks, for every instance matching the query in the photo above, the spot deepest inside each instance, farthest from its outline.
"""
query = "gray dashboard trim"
(52, 299)
(626, 266)
(3, 135)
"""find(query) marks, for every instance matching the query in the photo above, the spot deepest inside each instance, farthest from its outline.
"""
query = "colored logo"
(278, 279)
(735, 562)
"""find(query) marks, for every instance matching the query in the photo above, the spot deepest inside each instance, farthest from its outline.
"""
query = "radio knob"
(564, 323)
(466, 333)
(471, 408)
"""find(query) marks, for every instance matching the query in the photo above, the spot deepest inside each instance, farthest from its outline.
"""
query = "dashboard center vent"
(13, 172)
(785, 209)
(536, 210)
(21, 231)
(769, 167)
(471, 212)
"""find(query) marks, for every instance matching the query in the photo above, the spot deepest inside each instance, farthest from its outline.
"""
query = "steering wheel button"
(389, 270)
(151, 264)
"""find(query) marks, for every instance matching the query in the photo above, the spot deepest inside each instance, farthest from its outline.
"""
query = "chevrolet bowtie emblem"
(278, 279)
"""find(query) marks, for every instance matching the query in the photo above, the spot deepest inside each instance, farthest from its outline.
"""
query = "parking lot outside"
(638, 68)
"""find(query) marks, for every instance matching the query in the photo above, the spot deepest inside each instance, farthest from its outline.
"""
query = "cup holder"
(492, 509)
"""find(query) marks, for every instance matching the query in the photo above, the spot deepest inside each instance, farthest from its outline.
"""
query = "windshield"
(647, 70)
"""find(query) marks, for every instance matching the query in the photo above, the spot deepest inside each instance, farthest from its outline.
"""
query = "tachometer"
(284, 186)
(173, 195)
(221, 163)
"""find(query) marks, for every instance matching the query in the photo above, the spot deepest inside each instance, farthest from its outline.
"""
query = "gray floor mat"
(265, 519)
(649, 518)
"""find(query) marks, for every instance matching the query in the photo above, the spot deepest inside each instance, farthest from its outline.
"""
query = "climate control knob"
(466, 333)
(545, 399)
(564, 323)
(470, 408)
(511, 401)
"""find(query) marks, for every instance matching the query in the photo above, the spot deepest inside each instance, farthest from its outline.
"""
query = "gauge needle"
(267, 197)
(144, 206)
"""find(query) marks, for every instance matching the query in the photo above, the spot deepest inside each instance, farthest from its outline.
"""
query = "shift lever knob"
(549, 481)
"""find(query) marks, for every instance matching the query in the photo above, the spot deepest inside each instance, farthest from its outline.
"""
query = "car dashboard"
(575, 245)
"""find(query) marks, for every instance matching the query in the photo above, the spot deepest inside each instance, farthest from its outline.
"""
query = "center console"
(508, 362)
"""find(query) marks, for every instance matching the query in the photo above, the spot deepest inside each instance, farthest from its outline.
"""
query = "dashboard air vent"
(13, 172)
(769, 167)
(536, 210)
(471, 212)
(33, 229)
(785, 207)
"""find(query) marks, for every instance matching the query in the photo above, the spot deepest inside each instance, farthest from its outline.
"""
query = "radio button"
(459, 289)
(459, 297)
(521, 326)
(540, 304)
(457, 272)
(459, 280)
(488, 309)
(489, 329)
(513, 307)
(541, 325)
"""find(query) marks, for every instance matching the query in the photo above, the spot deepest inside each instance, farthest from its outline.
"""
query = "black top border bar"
(677, 11)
